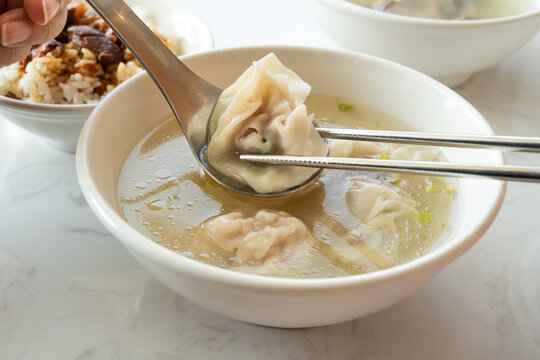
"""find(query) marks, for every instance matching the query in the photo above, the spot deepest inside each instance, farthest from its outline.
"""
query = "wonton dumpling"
(263, 112)
(359, 149)
(254, 238)
(379, 206)
(416, 153)
(349, 148)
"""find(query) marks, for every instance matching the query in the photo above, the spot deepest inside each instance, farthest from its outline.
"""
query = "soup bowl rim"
(356, 9)
(33, 106)
(185, 266)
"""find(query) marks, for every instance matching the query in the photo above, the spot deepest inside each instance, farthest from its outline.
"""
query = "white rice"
(44, 81)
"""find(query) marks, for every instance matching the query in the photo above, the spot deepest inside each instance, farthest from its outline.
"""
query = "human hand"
(25, 23)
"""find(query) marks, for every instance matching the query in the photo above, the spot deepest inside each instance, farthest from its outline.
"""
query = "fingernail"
(50, 7)
(15, 32)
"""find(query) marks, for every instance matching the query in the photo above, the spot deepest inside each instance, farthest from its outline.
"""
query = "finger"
(41, 11)
(16, 27)
(19, 30)
(11, 55)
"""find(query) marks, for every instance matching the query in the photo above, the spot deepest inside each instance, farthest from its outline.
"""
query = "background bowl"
(136, 107)
(448, 50)
(61, 125)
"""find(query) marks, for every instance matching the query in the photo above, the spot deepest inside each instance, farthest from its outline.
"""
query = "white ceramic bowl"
(136, 107)
(61, 125)
(448, 50)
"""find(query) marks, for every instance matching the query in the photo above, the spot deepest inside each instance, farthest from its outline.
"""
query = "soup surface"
(167, 197)
(451, 9)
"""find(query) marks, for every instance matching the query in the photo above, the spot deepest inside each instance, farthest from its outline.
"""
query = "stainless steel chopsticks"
(502, 172)
(528, 144)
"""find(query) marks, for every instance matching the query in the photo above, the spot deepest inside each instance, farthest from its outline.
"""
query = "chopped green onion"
(345, 107)
(172, 198)
(396, 181)
(264, 140)
(425, 217)
(450, 188)
(431, 188)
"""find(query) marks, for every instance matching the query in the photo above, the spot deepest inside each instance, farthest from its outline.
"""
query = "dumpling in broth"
(263, 112)
(361, 149)
(347, 148)
(255, 238)
(379, 206)
(416, 153)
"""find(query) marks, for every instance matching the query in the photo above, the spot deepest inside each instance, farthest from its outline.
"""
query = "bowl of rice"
(52, 92)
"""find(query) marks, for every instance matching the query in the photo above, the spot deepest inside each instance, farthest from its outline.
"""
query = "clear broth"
(166, 196)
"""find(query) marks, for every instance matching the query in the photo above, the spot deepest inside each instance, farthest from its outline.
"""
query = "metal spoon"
(190, 97)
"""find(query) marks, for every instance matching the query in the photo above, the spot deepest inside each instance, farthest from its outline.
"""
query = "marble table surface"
(69, 290)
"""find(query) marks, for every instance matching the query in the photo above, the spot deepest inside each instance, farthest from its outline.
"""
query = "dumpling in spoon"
(263, 112)
(378, 205)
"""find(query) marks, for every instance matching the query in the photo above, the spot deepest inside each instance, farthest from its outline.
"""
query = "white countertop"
(69, 290)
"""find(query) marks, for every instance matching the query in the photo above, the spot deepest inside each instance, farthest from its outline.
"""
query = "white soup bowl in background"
(451, 51)
(61, 124)
(136, 107)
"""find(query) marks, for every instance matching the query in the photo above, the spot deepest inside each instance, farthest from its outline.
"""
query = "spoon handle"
(186, 93)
